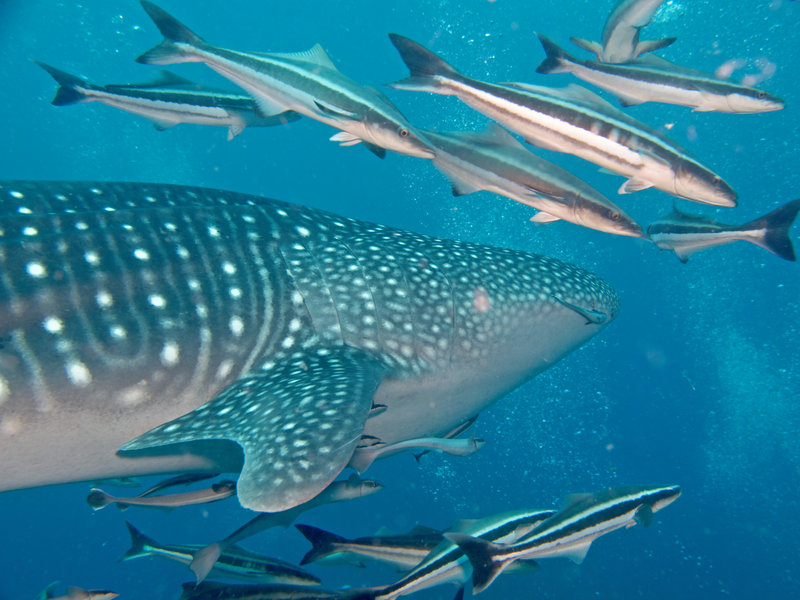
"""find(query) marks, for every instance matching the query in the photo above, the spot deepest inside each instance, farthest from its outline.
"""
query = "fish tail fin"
(98, 499)
(425, 66)
(204, 560)
(139, 543)
(775, 226)
(485, 566)
(557, 58)
(323, 542)
(50, 591)
(67, 92)
(174, 32)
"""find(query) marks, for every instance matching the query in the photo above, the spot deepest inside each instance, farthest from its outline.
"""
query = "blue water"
(696, 383)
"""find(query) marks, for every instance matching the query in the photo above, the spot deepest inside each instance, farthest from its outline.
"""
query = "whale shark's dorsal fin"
(297, 419)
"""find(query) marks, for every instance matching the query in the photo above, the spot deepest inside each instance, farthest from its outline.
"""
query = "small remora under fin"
(266, 404)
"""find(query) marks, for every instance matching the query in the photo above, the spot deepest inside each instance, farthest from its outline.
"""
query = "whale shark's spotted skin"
(207, 315)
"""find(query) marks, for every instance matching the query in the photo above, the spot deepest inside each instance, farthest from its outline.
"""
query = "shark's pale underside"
(149, 328)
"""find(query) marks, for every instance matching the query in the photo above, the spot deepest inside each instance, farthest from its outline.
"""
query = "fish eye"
(716, 181)
(615, 216)
(761, 94)
(402, 132)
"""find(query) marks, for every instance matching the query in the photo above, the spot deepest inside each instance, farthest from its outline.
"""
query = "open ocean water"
(696, 383)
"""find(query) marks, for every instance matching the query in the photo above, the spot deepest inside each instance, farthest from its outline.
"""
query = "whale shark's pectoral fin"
(297, 420)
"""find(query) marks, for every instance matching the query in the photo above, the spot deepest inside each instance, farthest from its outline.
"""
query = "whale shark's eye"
(402, 132)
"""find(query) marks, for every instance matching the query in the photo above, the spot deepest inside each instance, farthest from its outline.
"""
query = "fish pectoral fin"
(162, 124)
(578, 553)
(235, 130)
(345, 138)
(628, 100)
(378, 151)
(683, 255)
(595, 48)
(543, 217)
(336, 113)
(460, 187)
(652, 45)
(634, 185)
(286, 460)
(643, 516)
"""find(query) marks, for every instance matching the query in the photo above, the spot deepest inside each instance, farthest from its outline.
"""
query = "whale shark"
(151, 328)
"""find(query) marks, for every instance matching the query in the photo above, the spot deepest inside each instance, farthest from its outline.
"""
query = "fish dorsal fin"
(494, 135)
(573, 91)
(315, 55)
(422, 530)
(595, 48)
(384, 531)
(165, 79)
(462, 525)
(264, 405)
(652, 60)
(575, 499)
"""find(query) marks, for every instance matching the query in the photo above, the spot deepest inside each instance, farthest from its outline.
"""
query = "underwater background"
(696, 383)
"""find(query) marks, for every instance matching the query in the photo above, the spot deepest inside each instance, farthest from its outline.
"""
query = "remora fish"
(401, 551)
(452, 434)
(182, 479)
(572, 120)
(621, 32)
(98, 499)
(306, 82)
(169, 101)
(235, 562)
(364, 456)
(656, 80)
(447, 563)
(348, 489)
(495, 161)
(75, 593)
(198, 320)
(569, 532)
(686, 234)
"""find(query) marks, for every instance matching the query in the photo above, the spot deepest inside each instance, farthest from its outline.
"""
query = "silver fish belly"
(149, 328)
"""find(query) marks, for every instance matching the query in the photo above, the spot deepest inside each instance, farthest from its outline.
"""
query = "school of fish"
(278, 88)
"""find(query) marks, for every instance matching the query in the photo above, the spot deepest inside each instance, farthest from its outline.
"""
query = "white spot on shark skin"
(35, 269)
(157, 300)
(141, 254)
(235, 293)
(78, 373)
(53, 325)
(213, 232)
(10, 426)
(24, 210)
(224, 369)
(170, 354)
(236, 325)
(16, 194)
(133, 395)
(30, 231)
(92, 258)
(118, 332)
(104, 299)
(229, 268)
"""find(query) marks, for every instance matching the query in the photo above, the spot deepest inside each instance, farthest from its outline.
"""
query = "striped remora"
(572, 120)
(569, 532)
(169, 101)
(307, 82)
